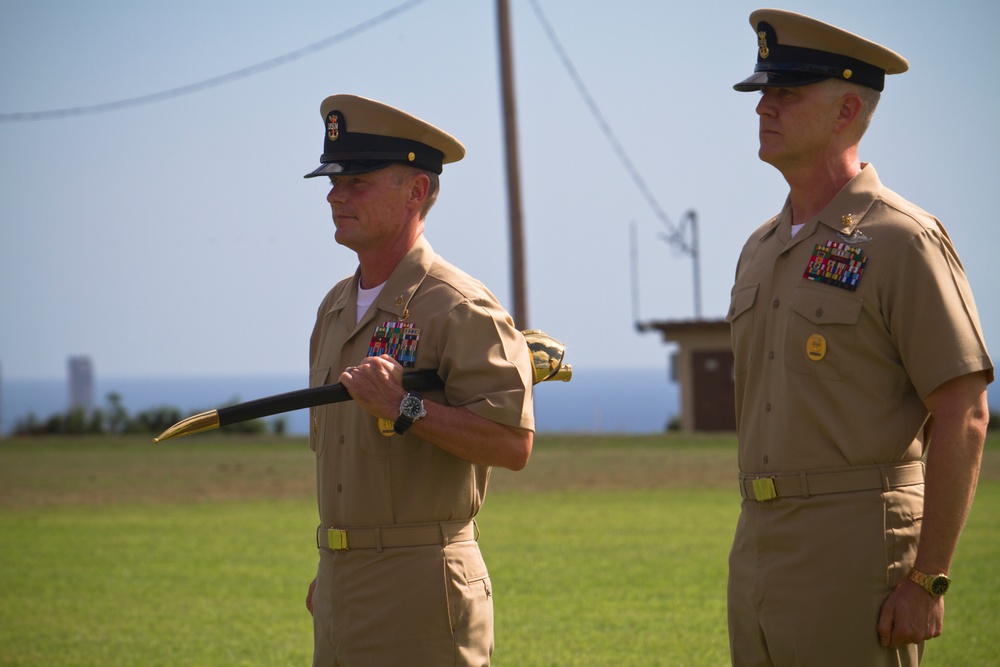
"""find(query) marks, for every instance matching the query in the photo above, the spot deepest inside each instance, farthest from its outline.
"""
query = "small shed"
(703, 366)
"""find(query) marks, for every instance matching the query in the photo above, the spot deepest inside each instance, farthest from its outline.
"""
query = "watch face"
(410, 407)
(939, 585)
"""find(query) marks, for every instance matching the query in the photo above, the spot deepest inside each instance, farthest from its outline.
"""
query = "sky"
(178, 238)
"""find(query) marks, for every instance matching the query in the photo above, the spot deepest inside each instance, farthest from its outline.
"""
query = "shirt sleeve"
(932, 315)
(487, 366)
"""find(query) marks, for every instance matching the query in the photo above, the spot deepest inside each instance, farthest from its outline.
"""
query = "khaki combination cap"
(363, 135)
(796, 50)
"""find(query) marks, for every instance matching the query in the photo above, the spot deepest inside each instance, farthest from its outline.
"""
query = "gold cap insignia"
(762, 44)
(332, 126)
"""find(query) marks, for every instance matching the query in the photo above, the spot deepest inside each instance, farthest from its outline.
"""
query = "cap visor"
(347, 167)
(777, 80)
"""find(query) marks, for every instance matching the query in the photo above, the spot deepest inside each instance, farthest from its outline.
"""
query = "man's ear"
(848, 111)
(420, 187)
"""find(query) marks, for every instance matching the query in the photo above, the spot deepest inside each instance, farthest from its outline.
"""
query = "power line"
(213, 82)
(676, 235)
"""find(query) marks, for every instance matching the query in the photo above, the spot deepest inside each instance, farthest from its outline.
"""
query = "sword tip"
(205, 421)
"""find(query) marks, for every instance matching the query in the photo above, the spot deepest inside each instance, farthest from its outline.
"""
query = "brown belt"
(836, 480)
(384, 537)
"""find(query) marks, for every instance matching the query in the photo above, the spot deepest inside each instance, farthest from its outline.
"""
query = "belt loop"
(804, 482)
(444, 534)
(378, 539)
(884, 472)
(318, 528)
(475, 530)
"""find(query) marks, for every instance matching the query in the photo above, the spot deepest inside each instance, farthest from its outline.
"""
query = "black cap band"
(357, 146)
(798, 60)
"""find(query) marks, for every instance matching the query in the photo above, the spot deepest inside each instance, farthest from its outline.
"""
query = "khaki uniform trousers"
(808, 577)
(403, 605)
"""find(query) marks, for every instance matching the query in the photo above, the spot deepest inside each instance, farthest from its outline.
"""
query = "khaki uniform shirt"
(826, 376)
(365, 479)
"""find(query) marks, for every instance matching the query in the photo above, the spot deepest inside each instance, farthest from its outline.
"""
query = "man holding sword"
(400, 475)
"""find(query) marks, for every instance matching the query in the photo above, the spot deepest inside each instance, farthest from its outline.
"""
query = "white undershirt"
(366, 297)
(796, 228)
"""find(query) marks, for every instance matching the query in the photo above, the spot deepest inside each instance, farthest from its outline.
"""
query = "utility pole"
(508, 121)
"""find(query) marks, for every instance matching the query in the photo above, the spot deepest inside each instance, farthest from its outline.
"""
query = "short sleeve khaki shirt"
(828, 376)
(367, 479)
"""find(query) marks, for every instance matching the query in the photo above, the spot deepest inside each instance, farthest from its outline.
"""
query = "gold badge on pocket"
(816, 347)
(385, 427)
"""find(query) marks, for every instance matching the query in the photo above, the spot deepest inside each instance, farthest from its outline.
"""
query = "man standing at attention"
(858, 350)
(401, 476)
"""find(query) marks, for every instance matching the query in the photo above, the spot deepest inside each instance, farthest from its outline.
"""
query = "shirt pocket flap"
(826, 307)
(741, 301)
(319, 376)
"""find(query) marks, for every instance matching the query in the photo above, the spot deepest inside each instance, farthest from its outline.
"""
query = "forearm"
(377, 389)
(953, 460)
(959, 416)
(472, 438)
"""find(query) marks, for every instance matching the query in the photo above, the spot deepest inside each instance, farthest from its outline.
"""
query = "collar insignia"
(857, 236)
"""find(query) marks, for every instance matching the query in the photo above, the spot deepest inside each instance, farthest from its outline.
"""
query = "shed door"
(714, 391)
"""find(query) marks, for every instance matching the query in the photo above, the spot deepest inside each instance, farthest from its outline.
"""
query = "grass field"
(604, 551)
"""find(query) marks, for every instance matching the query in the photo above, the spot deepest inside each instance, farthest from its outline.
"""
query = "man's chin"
(343, 239)
(768, 156)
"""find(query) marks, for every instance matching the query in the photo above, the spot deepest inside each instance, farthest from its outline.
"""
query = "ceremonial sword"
(546, 357)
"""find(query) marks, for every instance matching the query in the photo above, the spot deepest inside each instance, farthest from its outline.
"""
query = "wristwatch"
(935, 584)
(410, 410)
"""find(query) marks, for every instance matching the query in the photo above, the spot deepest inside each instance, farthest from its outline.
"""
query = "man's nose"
(764, 106)
(335, 195)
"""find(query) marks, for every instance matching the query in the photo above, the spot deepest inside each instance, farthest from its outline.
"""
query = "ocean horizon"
(594, 401)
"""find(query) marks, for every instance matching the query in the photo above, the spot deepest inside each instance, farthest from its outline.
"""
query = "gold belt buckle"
(336, 539)
(763, 489)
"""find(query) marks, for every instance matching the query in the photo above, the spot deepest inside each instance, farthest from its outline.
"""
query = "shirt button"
(776, 303)
(785, 254)
(340, 440)
(767, 408)
(765, 458)
(819, 312)
(770, 355)
(340, 488)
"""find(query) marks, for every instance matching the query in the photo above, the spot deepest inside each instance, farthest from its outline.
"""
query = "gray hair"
(432, 190)
(869, 100)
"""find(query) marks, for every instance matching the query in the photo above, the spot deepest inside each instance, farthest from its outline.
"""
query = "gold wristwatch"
(935, 584)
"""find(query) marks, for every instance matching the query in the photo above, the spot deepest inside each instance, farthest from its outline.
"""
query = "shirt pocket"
(821, 335)
(318, 415)
(740, 318)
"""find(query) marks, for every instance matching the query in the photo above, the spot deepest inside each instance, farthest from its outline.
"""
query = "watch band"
(405, 420)
(935, 584)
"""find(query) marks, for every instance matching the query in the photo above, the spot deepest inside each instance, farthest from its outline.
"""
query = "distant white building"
(81, 383)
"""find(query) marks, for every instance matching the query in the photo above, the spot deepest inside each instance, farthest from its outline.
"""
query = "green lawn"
(604, 551)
